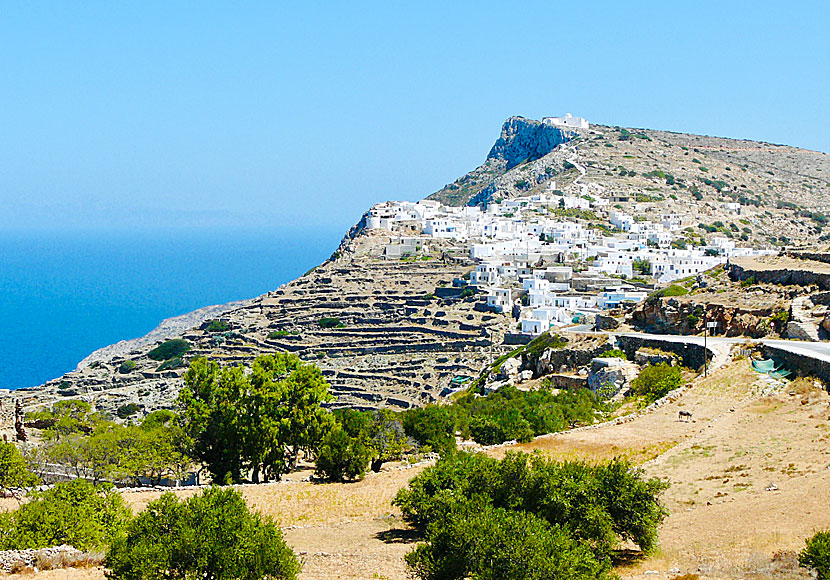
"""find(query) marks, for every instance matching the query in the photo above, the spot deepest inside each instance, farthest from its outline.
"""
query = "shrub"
(78, 513)
(210, 535)
(126, 367)
(748, 282)
(489, 543)
(655, 381)
(779, 320)
(127, 410)
(330, 322)
(173, 363)
(168, 349)
(341, 457)
(513, 414)
(816, 555)
(432, 426)
(217, 326)
(614, 353)
(277, 333)
(600, 504)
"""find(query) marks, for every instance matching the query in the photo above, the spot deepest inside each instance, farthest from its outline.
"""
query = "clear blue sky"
(169, 114)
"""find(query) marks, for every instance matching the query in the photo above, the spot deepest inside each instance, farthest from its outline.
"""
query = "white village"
(559, 258)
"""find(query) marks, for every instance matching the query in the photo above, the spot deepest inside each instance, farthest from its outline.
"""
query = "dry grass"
(590, 450)
(301, 503)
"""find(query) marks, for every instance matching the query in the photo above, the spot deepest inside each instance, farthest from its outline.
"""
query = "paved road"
(816, 350)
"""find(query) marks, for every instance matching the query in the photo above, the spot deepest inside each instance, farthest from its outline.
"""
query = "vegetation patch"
(209, 535)
(217, 326)
(169, 349)
(656, 381)
(126, 367)
(566, 518)
(330, 322)
(673, 290)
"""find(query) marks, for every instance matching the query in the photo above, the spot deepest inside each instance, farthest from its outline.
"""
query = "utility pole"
(707, 326)
(705, 350)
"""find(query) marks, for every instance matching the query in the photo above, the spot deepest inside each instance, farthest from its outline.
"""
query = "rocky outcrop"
(524, 159)
(685, 316)
(553, 360)
(524, 140)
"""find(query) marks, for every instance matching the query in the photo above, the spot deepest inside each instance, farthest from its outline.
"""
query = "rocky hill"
(382, 335)
(783, 191)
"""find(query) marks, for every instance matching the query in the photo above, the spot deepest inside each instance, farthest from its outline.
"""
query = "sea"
(64, 295)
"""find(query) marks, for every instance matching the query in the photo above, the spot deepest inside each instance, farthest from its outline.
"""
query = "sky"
(272, 114)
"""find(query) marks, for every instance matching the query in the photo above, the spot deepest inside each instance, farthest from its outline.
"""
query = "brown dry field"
(724, 524)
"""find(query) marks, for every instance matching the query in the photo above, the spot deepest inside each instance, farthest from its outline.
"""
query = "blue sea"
(64, 295)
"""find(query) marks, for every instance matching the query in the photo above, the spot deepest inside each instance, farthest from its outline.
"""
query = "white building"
(621, 220)
(567, 122)
(499, 299)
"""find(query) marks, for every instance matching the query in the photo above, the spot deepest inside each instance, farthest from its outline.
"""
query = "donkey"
(685, 416)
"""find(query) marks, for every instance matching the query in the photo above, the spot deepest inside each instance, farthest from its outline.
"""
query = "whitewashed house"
(566, 122)
(499, 299)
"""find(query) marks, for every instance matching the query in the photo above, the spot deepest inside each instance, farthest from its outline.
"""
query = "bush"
(126, 367)
(816, 555)
(431, 426)
(655, 381)
(521, 415)
(600, 504)
(211, 535)
(341, 457)
(77, 513)
(169, 349)
(493, 543)
(277, 334)
(127, 410)
(329, 322)
(173, 363)
(614, 353)
(217, 326)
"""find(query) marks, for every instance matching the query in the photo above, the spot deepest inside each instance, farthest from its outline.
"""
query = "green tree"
(257, 422)
(67, 417)
(78, 513)
(212, 535)
(14, 473)
(211, 417)
(816, 555)
(341, 457)
(387, 438)
(432, 426)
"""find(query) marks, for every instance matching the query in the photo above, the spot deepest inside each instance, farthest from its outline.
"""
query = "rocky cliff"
(521, 160)
(524, 140)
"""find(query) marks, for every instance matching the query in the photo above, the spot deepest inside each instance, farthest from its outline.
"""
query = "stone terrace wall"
(692, 354)
(782, 276)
